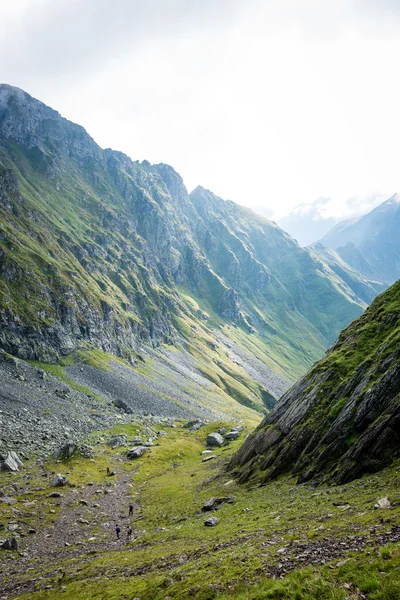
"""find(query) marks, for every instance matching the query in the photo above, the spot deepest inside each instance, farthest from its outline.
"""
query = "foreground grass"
(173, 555)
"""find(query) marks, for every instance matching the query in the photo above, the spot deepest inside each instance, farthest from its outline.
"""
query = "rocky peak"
(32, 124)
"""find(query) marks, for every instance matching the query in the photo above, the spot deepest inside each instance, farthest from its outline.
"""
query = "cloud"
(266, 103)
(68, 37)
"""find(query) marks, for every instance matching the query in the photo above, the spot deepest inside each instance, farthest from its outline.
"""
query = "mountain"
(343, 418)
(99, 251)
(362, 287)
(307, 222)
(370, 244)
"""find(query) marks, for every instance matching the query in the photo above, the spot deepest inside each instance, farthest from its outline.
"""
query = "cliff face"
(343, 418)
(97, 248)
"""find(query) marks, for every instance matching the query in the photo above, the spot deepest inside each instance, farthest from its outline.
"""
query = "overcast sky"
(268, 103)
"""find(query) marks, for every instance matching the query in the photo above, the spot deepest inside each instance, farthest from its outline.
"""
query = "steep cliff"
(343, 418)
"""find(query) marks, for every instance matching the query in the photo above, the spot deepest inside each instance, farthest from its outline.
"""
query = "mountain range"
(162, 358)
(100, 250)
(370, 244)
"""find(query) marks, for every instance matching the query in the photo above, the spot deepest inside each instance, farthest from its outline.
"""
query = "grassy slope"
(173, 555)
(342, 402)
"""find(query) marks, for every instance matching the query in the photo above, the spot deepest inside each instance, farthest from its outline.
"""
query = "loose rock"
(136, 452)
(383, 503)
(10, 544)
(10, 462)
(59, 480)
(211, 522)
(215, 439)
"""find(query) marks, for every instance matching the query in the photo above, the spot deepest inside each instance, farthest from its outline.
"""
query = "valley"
(178, 354)
(279, 541)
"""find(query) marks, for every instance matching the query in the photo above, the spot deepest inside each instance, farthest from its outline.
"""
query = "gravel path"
(85, 526)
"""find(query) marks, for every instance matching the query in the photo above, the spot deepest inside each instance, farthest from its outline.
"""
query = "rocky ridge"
(343, 418)
(96, 248)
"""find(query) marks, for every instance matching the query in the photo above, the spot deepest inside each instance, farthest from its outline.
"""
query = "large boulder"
(215, 439)
(383, 503)
(231, 435)
(65, 451)
(10, 462)
(59, 480)
(123, 405)
(136, 452)
(117, 440)
(10, 544)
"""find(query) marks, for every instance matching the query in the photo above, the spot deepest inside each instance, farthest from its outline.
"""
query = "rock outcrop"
(343, 418)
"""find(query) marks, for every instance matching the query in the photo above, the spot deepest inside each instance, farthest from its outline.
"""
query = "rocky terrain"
(195, 531)
(343, 418)
(98, 249)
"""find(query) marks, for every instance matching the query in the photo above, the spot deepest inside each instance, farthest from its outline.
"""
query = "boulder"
(11, 462)
(65, 451)
(117, 440)
(215, 503)
(193, 425)
(211, 522)
(207, 458)
(383, 503)
(215, 439)
(10, 544)
(59, 480)
(136, 452)
(231, 435)
(123, 405)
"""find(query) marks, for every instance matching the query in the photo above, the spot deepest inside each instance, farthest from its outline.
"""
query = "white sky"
(268, 103)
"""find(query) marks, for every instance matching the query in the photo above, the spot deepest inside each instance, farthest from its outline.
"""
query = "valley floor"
(279, 541)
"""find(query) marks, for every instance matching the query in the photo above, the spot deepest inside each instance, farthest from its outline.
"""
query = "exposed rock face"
(94, 248)
(343, 418)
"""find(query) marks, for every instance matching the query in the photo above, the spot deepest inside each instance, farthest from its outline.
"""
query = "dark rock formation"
(343, 418)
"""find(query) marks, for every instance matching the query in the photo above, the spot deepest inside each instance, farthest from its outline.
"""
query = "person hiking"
(129, 533)
(117, 531)
(108, 471)
(130, 509)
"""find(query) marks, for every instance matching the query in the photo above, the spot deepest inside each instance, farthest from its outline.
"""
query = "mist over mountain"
(370, 244)
(307, 222)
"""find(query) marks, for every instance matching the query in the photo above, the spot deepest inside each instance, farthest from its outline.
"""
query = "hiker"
(129, 533)
(108, 471)
(130, 509)
(117, 531)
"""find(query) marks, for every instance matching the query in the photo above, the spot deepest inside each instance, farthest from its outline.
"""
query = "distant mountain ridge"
(370, 244)
(307, 222)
